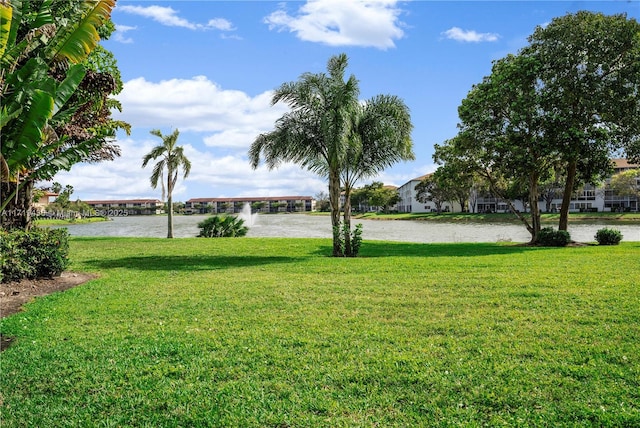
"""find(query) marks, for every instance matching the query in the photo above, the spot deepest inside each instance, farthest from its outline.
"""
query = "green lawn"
(259, 332)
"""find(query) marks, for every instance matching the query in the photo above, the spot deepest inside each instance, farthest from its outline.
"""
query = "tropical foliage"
(222, 226)
(55, 95)
(329, 131)
(172, 159)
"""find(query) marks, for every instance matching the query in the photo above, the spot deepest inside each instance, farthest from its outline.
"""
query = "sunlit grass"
(272, 332)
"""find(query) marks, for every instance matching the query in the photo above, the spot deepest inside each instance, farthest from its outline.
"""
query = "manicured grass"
(259, 332)
(548, 219)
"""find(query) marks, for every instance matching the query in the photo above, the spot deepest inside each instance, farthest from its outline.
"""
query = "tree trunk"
(535, 207)
(334, 201)
(17, 212)
(348, 251)
(169, 207)
(566, 197)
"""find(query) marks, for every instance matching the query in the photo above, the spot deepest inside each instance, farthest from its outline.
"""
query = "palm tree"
(328, 131)
(380, 136)
(172, 158)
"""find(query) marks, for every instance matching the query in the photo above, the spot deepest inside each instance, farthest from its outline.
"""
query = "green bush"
(222, 226)
(608, 236)
(548, 237)
(39, 253)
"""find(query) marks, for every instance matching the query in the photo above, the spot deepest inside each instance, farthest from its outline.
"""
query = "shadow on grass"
(413, 249)
(187, 263)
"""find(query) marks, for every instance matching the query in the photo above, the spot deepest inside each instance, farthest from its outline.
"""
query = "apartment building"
(269, 204)
(588, 198)
(125, 207)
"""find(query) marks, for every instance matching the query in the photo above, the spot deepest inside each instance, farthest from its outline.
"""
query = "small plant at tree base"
(222, 226)
(608, 236)
(356, 239)
(548, 237)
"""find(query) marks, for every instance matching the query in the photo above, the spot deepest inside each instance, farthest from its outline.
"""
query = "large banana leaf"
(80, 37)
(69, 85)
(6, 14)
(26, 139)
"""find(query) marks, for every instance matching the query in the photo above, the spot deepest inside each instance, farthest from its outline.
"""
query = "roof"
(422, 177)
(251, 199)
(621, 163)
(124, 201)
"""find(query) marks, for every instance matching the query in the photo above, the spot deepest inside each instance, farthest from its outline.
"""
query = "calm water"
(307, 226)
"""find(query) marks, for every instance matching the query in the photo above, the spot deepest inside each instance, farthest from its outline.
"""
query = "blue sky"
(208, 68)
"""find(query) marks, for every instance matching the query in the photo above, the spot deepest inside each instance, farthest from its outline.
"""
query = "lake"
(311, 226)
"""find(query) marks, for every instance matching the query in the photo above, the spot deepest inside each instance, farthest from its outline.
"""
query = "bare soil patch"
(15, 294)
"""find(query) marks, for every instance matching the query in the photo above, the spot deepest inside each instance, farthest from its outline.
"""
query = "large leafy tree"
(56, 106)
(172, 159)
(589, 86)
(502, 136)
(330, 132)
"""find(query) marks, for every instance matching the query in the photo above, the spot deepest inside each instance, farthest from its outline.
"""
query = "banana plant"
(32, 99)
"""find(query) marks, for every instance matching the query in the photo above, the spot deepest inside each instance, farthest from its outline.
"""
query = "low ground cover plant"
(268, 332)
(607, 236)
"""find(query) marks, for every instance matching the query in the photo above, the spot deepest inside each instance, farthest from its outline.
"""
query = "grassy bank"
(550, 219)
(65, 222)
(273, 333)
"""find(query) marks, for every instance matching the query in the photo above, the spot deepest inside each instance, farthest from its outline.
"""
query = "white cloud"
(169, 17)
(366, 23)
(460, 35)
(198, 104)
(119, 34)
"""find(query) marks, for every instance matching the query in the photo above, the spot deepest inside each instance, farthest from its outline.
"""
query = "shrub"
(548, 237)
(222, 226)
(608, 236)
(38, 253)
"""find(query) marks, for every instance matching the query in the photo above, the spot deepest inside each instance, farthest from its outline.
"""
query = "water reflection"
(309, 226)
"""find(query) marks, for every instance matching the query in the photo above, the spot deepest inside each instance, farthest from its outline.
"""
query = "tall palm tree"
(172, 158)
(314, 134)
(328, 131)
(380, 136)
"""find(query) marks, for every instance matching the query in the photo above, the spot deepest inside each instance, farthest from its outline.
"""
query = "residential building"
(410, 204)
(41, 204)
(265, 204)
(126, 207)
(588, 198)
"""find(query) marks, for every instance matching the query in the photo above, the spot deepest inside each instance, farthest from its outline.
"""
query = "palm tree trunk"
(169, 206)
(334, 200)
(348, 251)
(566, 197)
